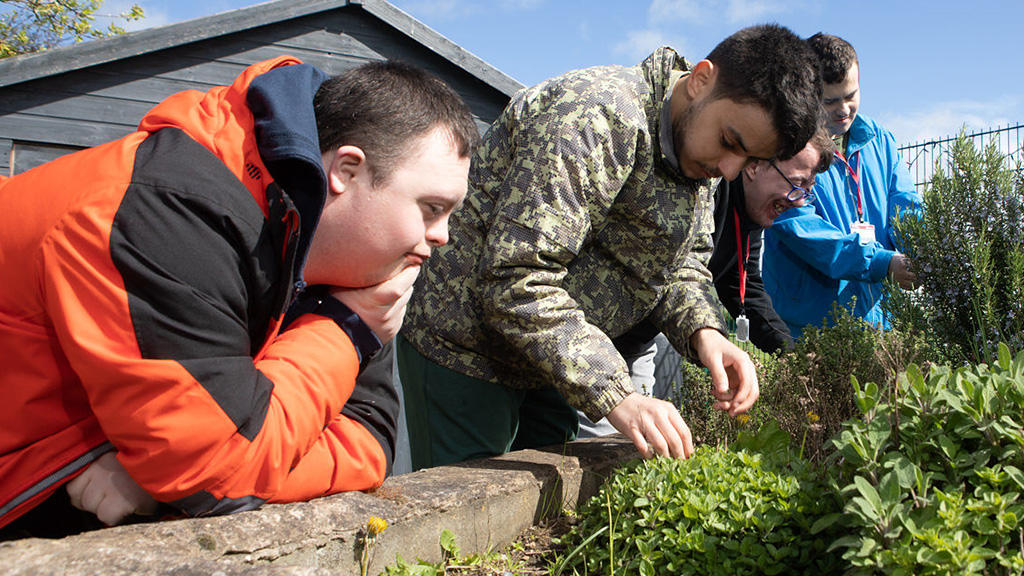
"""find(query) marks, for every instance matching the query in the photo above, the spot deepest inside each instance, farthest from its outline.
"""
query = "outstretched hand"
(654, 426)
(381, 306)
(733, 376)
(899, 271)
(106, 490)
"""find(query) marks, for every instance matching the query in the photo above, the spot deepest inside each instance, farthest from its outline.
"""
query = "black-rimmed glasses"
(796, 193)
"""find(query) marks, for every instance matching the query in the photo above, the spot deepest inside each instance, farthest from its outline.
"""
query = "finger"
(747, 390)
(656, 439)
(637, 438)
(674, 431)
(112, 510)
(93, 495)
(75, 489)
(687, 438)
(719, 379)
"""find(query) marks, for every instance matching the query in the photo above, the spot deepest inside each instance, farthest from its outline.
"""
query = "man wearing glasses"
(744, 207)
(840, 250)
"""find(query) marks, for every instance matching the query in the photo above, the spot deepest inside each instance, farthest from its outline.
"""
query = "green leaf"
(448, 542)
(868, 492)
(826, 521)
(890, 492)
(1005, 359)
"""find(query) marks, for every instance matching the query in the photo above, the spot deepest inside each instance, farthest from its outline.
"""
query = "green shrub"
(967, 248)
(932, 474)
(747, 509)
(807, 391)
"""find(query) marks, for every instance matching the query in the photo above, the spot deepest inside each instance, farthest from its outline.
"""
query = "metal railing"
(921, 156)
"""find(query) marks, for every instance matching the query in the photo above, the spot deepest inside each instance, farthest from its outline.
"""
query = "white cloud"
(677, 10)
(584, 30)
(946, 119)
(639, 44)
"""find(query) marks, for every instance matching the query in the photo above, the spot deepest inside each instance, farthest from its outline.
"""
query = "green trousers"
(452, 417)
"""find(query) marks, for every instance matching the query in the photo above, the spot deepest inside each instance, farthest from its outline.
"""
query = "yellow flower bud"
(376, 525)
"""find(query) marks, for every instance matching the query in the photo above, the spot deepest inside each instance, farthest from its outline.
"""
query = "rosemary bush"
(967, 248)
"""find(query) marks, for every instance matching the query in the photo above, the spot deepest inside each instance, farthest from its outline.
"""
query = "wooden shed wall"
(44, 118)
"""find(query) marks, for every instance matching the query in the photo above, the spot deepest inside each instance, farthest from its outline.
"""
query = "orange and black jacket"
(144, 287)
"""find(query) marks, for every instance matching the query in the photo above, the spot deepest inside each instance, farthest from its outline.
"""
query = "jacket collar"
(661, 70)
(861, 132)
(281, 101)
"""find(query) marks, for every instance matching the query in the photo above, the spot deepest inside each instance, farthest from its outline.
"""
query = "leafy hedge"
(932, 473)
(926, 481)
(743, 510)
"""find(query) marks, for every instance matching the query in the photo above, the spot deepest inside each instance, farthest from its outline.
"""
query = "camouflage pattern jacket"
(577, 226)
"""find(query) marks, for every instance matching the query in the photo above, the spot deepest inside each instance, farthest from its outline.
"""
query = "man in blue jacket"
(841, 248)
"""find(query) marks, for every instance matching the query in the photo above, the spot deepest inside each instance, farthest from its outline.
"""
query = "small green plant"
(746, 509)
(451, 561)
(932, 474)
(813, 379)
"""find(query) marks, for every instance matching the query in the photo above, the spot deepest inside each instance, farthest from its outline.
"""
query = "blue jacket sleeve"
(829, 249)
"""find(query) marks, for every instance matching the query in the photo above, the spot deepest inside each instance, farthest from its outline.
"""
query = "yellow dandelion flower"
(742, 419)
(376, 525)
(812, 417)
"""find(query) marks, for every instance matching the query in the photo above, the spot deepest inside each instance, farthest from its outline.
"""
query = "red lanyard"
(854, 175)
(742, 259)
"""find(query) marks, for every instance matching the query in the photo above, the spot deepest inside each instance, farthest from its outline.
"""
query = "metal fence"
(921, 156)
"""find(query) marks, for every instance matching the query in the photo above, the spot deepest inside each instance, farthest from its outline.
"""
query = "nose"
(437, 233)
(731, 164)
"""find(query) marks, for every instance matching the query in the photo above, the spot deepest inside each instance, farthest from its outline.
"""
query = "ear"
(345, 167)
(701, 80)
(752, 169)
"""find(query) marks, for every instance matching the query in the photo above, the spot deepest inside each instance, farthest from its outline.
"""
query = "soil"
(531, 554)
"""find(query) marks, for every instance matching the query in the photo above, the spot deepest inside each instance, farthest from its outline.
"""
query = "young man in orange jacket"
(148, 357)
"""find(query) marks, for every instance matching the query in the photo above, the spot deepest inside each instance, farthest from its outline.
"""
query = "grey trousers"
(654, 370)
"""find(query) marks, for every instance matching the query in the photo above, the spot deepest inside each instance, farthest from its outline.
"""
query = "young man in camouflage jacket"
(589, 211)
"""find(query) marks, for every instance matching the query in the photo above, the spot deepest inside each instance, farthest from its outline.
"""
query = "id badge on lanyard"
(742, 322)
(865, 231)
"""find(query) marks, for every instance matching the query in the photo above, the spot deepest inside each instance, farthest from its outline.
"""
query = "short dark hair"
(822, 142)
(837, 56)
(770, 66)
(381, 106)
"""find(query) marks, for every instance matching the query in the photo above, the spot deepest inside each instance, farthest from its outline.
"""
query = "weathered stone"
(486, 503)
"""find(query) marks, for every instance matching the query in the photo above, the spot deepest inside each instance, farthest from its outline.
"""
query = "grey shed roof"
(64, 59)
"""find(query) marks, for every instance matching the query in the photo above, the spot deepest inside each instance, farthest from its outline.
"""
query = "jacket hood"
(263, 123)
(657, 70)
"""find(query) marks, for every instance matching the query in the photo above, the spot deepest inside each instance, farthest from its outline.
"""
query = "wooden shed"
(86, 94)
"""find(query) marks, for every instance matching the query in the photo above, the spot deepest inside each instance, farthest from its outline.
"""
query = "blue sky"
(927, 67)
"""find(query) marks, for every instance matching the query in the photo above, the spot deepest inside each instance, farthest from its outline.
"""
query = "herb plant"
(932, 473)
(746, 509)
